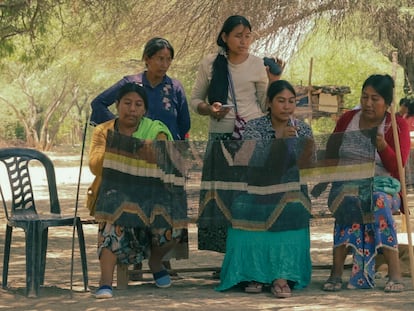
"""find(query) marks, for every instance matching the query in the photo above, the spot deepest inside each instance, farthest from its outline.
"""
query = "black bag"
(239, 122)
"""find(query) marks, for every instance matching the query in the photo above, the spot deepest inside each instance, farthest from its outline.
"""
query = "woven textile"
(142, 184)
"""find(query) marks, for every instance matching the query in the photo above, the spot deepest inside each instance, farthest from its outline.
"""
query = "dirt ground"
(190, 290)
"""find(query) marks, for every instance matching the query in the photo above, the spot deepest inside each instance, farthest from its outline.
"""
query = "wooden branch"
(401, 170)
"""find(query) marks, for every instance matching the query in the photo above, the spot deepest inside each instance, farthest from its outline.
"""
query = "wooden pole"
(401, 171)
(310, 90)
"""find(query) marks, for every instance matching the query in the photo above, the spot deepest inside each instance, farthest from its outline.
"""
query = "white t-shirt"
(250, 84)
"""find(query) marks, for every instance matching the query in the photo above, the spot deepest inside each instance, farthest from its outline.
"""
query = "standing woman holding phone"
(230, 85)
(233, 67)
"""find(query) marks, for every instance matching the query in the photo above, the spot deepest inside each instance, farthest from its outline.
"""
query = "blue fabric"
(366, 240)
(262, 129)
(266, 256)
(167, 103)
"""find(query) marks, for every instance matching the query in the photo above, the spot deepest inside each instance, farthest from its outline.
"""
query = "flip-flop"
(254, 288)
(394, 287)
(281, 291)
(332, 284)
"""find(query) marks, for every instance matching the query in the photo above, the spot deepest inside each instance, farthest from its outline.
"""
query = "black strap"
(231, 88)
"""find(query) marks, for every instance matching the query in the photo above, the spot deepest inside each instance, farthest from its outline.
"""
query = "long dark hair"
(219, 87)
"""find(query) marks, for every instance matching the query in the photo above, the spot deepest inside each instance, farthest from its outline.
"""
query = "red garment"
(410, 122)
(388, 156)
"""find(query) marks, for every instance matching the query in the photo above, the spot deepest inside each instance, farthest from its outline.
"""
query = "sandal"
(254, 288)
(394, 287)
(281, 290)
(332, 284)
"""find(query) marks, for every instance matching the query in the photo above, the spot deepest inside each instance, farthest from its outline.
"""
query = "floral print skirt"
(132, 245)
(366, 240)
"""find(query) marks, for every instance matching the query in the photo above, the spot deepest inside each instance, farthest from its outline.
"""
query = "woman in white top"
(211, 89)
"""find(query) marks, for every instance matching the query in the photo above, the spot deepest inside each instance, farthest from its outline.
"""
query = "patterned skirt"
(366, 240)
(132, 245)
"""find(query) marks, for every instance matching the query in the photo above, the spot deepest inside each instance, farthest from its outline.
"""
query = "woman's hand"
(290, 131)
(381, 143)
(273, 77)
(217, 111)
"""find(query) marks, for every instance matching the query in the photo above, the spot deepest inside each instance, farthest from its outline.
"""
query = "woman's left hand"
(381, 143)
(218, 112)
(290, 131)
(273, 77)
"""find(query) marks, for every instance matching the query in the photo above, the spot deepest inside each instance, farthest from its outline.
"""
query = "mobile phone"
(293, 123)
(274, 67)
(227, 106)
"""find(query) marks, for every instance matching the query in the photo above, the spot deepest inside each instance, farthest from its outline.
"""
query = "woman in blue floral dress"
(367, 132)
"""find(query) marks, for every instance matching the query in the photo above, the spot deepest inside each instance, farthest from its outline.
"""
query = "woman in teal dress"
(280, 255)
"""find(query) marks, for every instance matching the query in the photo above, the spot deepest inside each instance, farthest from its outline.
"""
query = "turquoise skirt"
(265, 256)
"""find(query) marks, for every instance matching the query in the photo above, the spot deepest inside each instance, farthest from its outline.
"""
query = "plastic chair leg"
(32, 260)
(44, 241)
(82, 248)
(6, 257)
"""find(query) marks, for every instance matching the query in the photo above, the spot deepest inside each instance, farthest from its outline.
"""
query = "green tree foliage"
(67, 51)
(345, 61)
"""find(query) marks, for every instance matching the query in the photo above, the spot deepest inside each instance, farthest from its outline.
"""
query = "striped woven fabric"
(142, 184)
(251, 185)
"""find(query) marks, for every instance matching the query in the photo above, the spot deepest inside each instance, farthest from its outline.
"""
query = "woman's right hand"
(217, 111)
(381, 143)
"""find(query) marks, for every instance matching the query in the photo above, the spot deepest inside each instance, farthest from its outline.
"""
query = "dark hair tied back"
(157, 44)
(383, 85)
(277, 87)
(135, 88)
(219, 86)
(228, 26)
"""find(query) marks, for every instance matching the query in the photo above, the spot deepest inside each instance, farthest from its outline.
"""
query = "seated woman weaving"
(269, 241)
(117, 242)
(363, 208)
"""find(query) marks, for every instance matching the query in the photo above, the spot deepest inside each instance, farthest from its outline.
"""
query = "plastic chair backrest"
(16, 162)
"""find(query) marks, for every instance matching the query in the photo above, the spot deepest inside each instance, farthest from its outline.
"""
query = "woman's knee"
(107, 256)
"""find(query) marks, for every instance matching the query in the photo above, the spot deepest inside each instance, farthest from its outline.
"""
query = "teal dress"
(264, 256)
